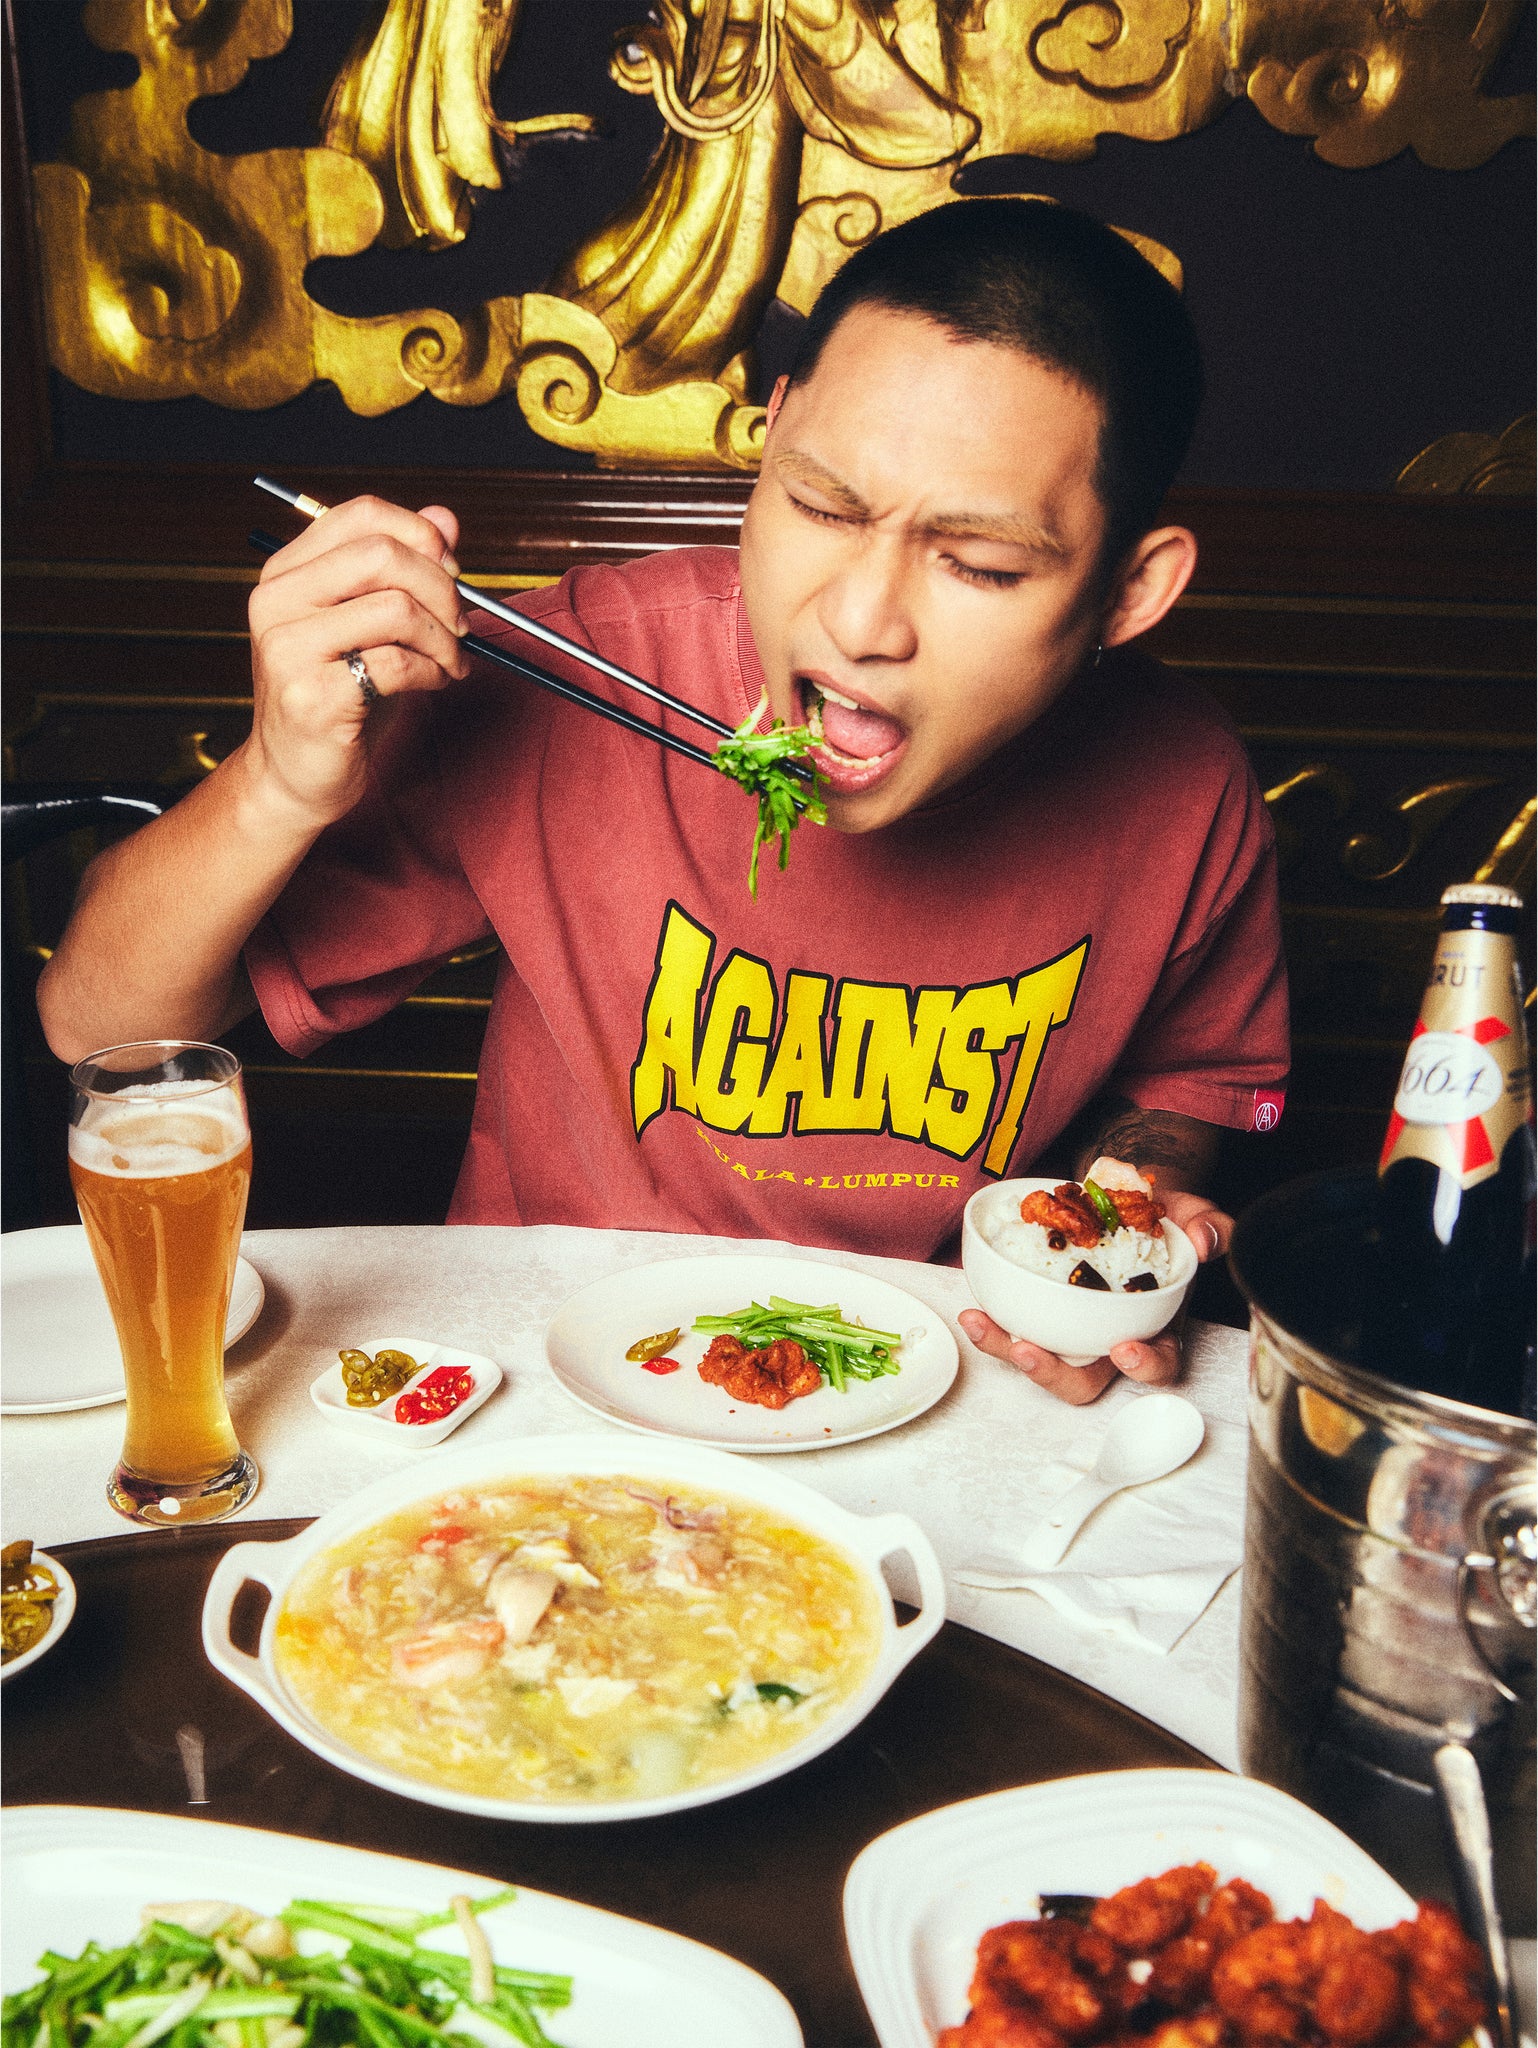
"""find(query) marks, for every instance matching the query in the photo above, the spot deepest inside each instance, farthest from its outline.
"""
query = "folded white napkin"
(1148, 1563)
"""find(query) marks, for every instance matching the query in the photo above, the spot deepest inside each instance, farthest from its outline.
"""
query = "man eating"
(1044, 914)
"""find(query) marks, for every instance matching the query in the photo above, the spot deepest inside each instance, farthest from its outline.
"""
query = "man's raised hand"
(369, 578)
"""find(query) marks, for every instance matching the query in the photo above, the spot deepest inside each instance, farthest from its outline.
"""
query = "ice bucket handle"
(1508, 1566)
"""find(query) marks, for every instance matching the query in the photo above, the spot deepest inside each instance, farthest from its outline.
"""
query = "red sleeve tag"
(1267, 1112)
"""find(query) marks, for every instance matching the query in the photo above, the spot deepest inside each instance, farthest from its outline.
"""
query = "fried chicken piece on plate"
(1235, 1908)
(1067, 1209)
(772, 1377)
(1205, 2030)
(1181, 1977)
(1359, 1996)
(1142, 1917)
(1000, 2026)
(1445, 1991)
(1070, 1979)
(1309, 1980)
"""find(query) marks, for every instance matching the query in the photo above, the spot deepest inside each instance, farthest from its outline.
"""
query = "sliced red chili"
(438, 1395)
(659, 1365)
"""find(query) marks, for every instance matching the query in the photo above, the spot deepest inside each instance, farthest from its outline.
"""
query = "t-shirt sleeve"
(379, 901)
(1213, 1042)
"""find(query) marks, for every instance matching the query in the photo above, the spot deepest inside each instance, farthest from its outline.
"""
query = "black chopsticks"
(267, 544)
(312, 508)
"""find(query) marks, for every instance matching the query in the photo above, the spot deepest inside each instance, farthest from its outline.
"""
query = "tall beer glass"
(160, 1158)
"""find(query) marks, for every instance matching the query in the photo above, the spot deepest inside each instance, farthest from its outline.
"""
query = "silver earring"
(1099, 650)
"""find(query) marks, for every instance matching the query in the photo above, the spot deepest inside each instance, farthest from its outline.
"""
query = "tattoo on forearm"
(1183, 1149)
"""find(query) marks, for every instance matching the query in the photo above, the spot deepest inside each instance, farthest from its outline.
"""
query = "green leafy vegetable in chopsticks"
(212, 1975)
(840, 1349)
(757, 761)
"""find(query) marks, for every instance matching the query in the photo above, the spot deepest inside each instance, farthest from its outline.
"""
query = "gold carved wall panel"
(795, 130)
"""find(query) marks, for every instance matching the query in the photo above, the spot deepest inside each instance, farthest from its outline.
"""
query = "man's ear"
(1156, 570)
(776, 400)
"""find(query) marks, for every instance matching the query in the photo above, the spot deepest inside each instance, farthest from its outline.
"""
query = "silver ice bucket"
(1389, 1593)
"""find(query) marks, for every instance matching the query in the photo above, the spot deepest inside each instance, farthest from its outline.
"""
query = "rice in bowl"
(1111, 1223)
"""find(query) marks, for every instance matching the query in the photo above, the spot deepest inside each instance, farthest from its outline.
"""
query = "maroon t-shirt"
(902, 1017)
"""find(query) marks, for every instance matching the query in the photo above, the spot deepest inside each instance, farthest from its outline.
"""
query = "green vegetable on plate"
(212, 1975)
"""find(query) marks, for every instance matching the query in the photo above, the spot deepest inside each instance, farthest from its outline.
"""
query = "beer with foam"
(160, 1159)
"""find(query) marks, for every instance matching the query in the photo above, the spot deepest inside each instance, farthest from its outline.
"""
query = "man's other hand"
(1156, 1363)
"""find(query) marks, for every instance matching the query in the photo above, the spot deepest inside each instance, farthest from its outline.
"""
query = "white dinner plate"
(74, 1874)
(587, 1338)
(918, 1899)
(58, 1348)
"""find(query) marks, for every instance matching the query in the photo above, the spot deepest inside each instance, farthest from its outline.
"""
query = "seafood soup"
(574, 1639)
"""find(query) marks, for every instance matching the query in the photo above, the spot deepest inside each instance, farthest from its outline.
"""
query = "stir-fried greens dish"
(840, 1350)
(758, 761)
(27, 1593)
(208, 1974)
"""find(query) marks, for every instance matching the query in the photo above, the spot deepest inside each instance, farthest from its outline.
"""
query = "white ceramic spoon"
(1149, 1439)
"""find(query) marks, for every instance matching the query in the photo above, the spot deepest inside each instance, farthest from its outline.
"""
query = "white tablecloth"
(978, 1467)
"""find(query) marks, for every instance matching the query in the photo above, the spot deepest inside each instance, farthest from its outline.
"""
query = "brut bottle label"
(1463, 1088)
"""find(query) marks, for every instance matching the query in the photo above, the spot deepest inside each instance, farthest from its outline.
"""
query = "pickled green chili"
(27, 1593)
(1105, 1208)
(646, 1348)
(372, 1380)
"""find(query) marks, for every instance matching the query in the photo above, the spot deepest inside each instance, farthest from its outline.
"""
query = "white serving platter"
(919, 1897)
(58, 1348)
(378, 1425)
(587, 1338)
(74, 1874)
(866, 1541)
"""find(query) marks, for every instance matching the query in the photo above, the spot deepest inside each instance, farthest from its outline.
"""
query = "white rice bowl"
(1021, 1282)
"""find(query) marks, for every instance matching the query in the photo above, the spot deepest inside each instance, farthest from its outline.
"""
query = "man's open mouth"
(859, 744)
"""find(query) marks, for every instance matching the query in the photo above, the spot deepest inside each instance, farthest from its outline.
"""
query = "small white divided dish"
(378, 1425)
(865, 1540)
(587, 1338)
(919, 1898)
(75, 1874)
(58, 1348)
(1079, 1323)
(63, 1615)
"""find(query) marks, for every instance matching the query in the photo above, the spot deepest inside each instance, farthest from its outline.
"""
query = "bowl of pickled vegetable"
(37, 1604)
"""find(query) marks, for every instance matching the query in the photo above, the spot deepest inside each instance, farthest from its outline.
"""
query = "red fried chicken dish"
(1137, 1210)
(1068, 1210)
(769, 1378)
(1179, 1961)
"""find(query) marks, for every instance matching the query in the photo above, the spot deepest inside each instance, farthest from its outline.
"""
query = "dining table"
(1011, 1692)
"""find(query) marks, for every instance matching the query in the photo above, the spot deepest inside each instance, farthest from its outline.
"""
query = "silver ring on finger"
(361, 676)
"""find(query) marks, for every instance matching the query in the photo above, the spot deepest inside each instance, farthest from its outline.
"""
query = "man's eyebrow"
(808, 470)
(1012, 530)
(1005, 527)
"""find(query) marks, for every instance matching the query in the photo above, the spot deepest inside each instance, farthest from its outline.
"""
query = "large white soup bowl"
(865, 1540)
(1079, 1323)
